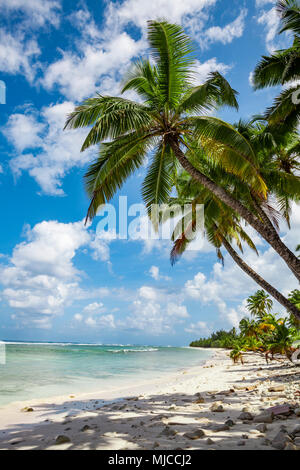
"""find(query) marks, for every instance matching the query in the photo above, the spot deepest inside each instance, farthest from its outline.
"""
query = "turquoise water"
(37, 370)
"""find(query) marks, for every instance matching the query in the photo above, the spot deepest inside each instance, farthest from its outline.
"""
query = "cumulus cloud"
(156, 310)
(40, 279)
(226, 34)
(43, 149)
(38, 11)
(155, 274)
(18, 54)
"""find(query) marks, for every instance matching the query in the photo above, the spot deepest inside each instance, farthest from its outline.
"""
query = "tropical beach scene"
(150, 248)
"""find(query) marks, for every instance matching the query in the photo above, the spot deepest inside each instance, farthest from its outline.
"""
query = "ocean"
(44, 370)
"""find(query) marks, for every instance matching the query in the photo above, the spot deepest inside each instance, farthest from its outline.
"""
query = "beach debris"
(245, 416)
(241, 443)
(198, 434)
(200, 398)
(217, 407)
(245, 436)
(276, 388)
(266, 417)
(62, 439)
(85, 428)
(209, 441)
(265, 442)
(168, 432)
(296, 431)
(280, 410)
(27, 409)
(262, 427)
(230, 423)
(280, 440)
(221, 427)
(297, 411)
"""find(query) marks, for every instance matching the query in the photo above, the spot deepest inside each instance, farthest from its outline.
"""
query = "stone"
(290, 446)
(195, 434)
(297, 411)
(27, 409)
(241, 443)
(245, 436)
(297, 441)
(265, 442)
(62, 439)
(85, 428)
(168, 432)
(263, 418)
(276, 388)
(245, 416)
(221, 427)
(280, 410)
(280, 440)
(217, 407)
(209, 441)
(261, 427)
(296, 431)
(200, 398)
(229, 422)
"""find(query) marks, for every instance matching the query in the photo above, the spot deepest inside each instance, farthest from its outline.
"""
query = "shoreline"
(114, 390)
(163, 413)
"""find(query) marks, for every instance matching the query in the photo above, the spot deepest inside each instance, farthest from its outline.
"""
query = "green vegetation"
(262, 332)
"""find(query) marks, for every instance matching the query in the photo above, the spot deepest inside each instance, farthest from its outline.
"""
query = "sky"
(60, 281)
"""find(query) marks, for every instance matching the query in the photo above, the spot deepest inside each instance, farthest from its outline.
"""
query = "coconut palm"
(170, 122)
(283, 68)
(248, 328)
(259, 304)
(222, 227)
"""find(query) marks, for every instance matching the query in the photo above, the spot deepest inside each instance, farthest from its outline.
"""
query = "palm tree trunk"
(265, 231)
(260, 281)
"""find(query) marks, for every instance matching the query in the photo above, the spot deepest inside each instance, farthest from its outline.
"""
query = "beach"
(215, 405)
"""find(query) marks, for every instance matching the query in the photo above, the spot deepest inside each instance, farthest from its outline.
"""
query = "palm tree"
(166, 125)
(248, 328)
(259, 304)
(283, 68)
(221, 227)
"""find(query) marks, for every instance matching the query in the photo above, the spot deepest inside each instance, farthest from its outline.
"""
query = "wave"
(132, 350)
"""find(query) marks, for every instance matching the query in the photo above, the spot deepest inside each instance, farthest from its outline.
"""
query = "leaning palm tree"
(170, 121)
(221, 226)
(283, 68)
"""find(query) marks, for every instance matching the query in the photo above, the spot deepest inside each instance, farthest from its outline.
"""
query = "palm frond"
(171, 50)
(289, 11)
(117, 161)
(158, 182)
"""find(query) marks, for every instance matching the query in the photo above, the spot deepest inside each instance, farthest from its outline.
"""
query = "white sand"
(159, 413)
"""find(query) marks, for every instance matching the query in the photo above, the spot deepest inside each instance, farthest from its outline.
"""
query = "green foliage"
(266, 334)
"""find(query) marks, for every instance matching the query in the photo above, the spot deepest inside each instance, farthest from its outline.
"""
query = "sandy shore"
(214, 406)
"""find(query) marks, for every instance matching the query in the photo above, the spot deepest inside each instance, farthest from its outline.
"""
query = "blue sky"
(58, 280)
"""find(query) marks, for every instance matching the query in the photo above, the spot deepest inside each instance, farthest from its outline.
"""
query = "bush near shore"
(263, 331)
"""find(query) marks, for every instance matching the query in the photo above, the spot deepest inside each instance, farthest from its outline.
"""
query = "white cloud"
(157, 311)
(44, 150)
(38, 12)
(198, 328)
(229, 32)
(94, 308)
(270, 20)
(17, 54)
(40, 279)
(211, 65)
(154, 272)
(229, 285)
